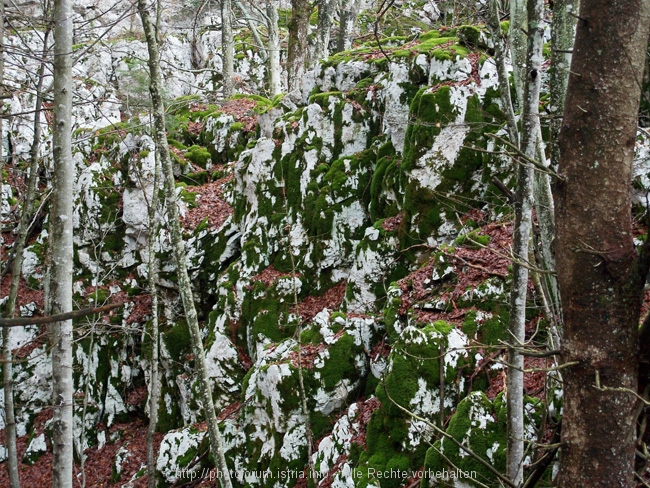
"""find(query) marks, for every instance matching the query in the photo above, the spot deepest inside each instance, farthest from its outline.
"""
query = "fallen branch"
(58, 317)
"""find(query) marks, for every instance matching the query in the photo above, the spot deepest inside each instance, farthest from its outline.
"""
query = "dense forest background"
(277, 244)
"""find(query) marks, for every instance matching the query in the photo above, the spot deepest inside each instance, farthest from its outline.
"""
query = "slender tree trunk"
(60, 239)
(326, 11)
(275, 70)
(563, 30)
(297, 50)
(17, 263)
(596, 257)
(7, 353)
(253, 29)
(545, 211)
(521, 239)
(562, 37)
(518, 45)
(502, 70)
(227, 47)
(347, 25)
(184, 284)
(154, 381)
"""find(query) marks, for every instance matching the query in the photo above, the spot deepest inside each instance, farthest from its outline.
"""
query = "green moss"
(474, 411)
(432, 34)
(341, 362)
(469, 36)
(494, 331)
(265, 312)
(472, 240)
(189, 197)
(198, 155)
(177, 341)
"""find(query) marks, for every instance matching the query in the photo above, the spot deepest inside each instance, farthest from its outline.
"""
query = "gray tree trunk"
(250, 21)
(60, 240)
(228, 48)
(563, 31)
(518, 45)
(504, 79)
(347, 25)
(297, 48)
(275, 70)
(154, 380)
(521, 240)
(17, 263)
(326, 11)
(184, 285)
(7, 354)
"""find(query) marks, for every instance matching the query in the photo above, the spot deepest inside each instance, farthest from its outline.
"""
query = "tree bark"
(297, 49)
(348, 21)
(518, 43)
(521, 239)
(326, 10)
(7, 353)
(16, 267)
(275, 70)
(596, 258)
(154, 381)
(60, 240)
(184, 284)
(227, 48)
(502, 70)
(563, 29)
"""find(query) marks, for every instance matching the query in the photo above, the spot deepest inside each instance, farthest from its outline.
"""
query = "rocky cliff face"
(348, 255)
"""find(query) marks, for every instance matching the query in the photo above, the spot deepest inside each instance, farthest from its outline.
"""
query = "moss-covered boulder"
(479, 425)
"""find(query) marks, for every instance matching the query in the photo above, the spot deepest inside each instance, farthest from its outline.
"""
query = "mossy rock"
(479, 425)
(198, 155)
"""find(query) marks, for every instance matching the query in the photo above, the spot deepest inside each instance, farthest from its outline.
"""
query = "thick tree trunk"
(275, 70)
(596, 258)
(184, 284)
(521, 240)
(60, 240)
(347, 25)
(297, 49)
(326, 10)
(227, 48)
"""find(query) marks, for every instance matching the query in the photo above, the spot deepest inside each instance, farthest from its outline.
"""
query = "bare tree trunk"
(7, 354)
(227, 48)
(563, 30)
(504, 79)
(518, 45)
(154, 381)
(347, 25)
(253, 29)
(60, 239)
(521, 239)
(598, 273)
(326, 11)
(545, 211)
(562, 37)
(275, 70)
(185, 287)
(297, 50)
(16, 267)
